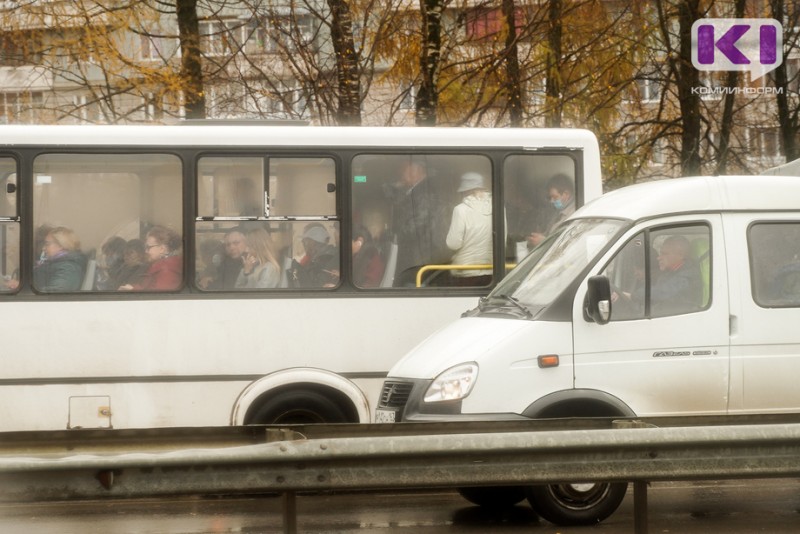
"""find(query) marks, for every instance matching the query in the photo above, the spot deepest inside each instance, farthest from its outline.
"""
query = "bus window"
(9, 261)
(540, 193)
(231, 187)
(404, 207)
(258, 255)
(8, 196)
(107, 222)
(9, 226)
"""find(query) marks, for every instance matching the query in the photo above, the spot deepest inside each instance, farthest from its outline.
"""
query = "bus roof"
(215, 134)
(697, 194)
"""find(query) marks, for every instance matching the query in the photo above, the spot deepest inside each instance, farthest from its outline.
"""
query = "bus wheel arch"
(301, 396)
(577, 503)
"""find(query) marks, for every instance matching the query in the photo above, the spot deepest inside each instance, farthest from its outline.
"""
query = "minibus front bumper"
(401, 400)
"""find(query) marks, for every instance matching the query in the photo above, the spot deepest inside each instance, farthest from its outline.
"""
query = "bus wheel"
(494, 497)
(576, 504)
(297, 408)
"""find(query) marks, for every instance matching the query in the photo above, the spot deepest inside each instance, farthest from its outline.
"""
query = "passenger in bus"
(528, 213)
(260, 267)
(319, 266)
(368, 265)
(135, 265)
(62, 265)
(111, 262)
(561, 194)
(418, 222)
(162, 246)
(228, 271)
(470, 233)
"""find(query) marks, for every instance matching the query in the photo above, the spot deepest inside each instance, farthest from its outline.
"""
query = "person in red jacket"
(163, 249)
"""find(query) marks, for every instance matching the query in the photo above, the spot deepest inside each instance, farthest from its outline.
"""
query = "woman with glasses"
(162, 246)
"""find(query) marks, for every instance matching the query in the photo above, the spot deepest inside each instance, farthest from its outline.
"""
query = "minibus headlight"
(453, 384)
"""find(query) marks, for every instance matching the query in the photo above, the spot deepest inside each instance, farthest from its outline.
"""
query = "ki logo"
(754, 45)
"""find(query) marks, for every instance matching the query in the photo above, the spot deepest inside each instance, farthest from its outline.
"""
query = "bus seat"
(88, 277)
(700, 253)
(391, 266)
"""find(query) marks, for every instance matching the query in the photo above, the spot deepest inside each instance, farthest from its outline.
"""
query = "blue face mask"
(557, 204)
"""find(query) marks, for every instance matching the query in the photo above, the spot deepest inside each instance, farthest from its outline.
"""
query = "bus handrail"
(454, 267)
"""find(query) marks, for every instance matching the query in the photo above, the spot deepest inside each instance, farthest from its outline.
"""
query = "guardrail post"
(289, 512)
(640, 506)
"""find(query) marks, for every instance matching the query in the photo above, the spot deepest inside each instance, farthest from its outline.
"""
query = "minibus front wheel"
(577, 503)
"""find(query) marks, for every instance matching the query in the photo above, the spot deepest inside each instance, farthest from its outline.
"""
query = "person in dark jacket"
(62, 265)
(678, 288)
(419, 222)
(319, 267)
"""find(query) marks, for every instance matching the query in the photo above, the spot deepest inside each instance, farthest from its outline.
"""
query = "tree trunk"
(427, 100)
(347, 72)
(687, 78)
(513, 75)
(553, 107)
(191, 61)
(786, 122)
(731, 80)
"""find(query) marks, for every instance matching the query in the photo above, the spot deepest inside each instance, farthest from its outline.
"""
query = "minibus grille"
(395, 394)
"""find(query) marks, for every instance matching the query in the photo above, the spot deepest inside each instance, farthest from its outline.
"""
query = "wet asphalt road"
(771, 506)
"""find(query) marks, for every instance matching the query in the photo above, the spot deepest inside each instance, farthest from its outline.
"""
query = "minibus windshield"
(553, 265)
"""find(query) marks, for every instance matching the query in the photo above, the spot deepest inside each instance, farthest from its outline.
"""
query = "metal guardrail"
(387, 458)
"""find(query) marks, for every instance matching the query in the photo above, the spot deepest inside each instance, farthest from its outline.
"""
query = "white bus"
(207, 275)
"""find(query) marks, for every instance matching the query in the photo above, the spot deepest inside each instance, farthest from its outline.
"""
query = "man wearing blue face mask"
(561, 193)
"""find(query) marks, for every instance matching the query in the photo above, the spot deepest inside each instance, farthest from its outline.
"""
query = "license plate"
(385, 416)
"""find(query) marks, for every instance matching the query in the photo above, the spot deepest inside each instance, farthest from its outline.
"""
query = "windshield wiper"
(506, 299)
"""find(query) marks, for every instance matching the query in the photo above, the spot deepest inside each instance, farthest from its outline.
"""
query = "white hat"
(470, 181)
(317, 233)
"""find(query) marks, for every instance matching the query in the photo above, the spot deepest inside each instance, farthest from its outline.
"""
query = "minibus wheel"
(494, 497)
(297, 407)
(578, 503)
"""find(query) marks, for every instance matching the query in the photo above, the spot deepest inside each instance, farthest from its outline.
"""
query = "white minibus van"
(677, 297)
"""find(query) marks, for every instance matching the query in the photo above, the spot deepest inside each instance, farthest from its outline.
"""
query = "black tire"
(494, 498)
(297, 408)
(576, 504)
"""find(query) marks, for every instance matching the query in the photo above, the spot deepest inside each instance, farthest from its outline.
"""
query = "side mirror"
(598, 297)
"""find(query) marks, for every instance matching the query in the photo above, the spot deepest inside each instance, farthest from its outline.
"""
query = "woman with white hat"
(470, 234)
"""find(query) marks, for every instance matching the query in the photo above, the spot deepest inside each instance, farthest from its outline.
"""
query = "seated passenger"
(111, 261)
(260, 268)
(368, 265)
(678, 288)
(162, 247)
(62, 264)
(225, 274)
(134, 267)
(319, 267)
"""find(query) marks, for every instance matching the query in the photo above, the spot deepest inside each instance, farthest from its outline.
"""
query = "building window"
(20, 108)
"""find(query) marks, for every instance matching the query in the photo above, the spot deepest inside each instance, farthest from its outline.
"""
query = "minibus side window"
(775, 266)
(661, 272)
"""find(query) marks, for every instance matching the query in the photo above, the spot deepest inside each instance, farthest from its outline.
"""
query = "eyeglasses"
(148, 247)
